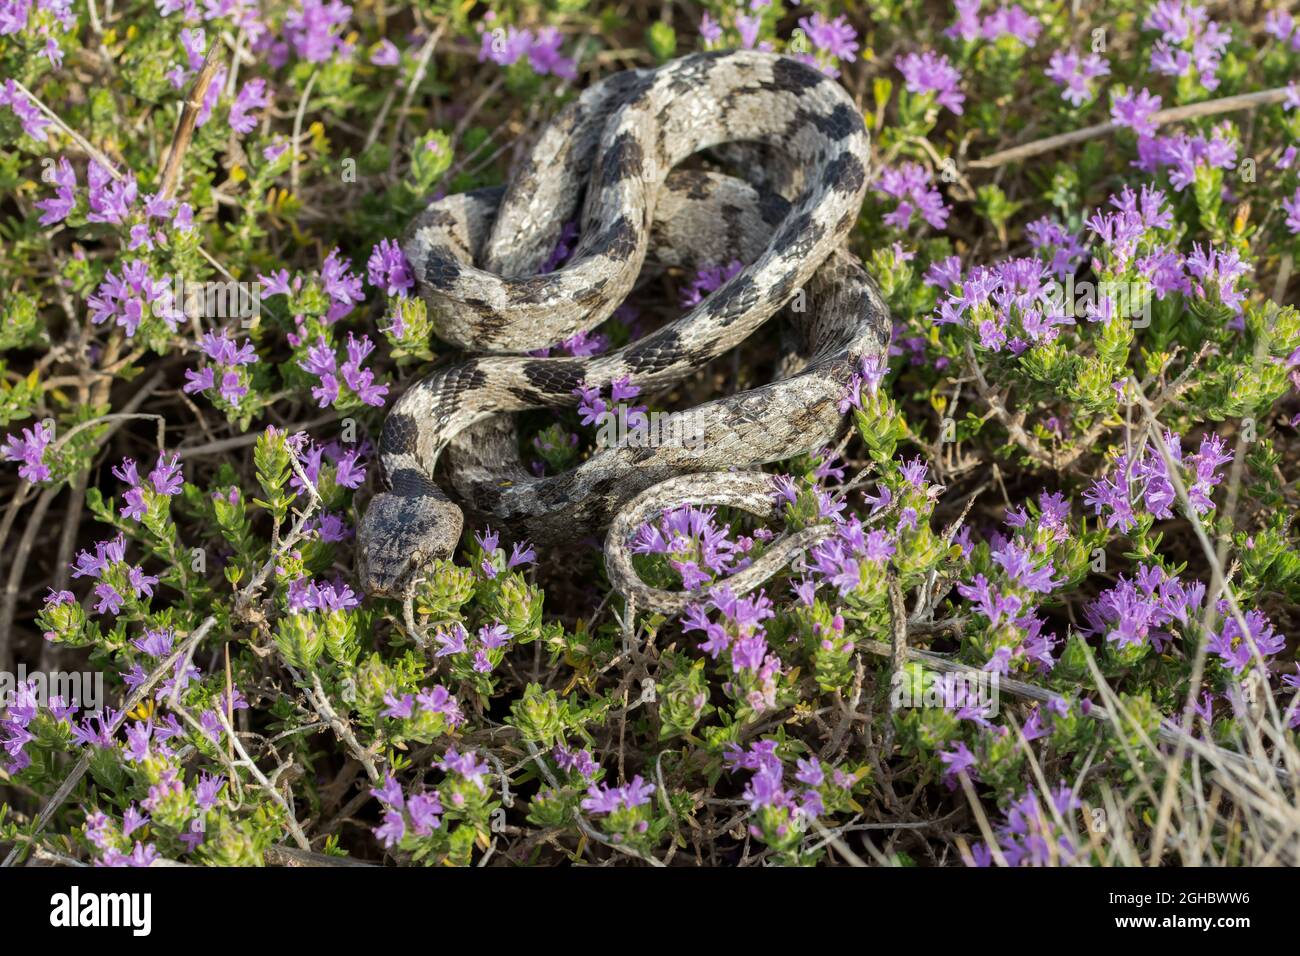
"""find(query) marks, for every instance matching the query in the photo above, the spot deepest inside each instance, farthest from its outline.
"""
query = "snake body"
(612, 159)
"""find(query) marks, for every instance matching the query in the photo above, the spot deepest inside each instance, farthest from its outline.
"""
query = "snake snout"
(399, 535)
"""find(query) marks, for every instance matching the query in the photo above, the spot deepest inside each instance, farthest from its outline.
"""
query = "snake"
(615, 159)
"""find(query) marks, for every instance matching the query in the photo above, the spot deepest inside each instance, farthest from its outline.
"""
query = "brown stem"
(1227, 104)
(189, 116)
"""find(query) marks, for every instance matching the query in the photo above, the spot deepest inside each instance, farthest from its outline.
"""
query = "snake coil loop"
(612, 159)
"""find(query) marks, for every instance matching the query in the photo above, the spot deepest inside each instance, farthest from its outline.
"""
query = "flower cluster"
(738, 636)
(29, 450)
(912, 185)
(334, 376)
(506, 46)
(1139, 612)
(593, 410)
(780, 813)
(1031, 835)
(1075, 73)
(434, 700)
(931, 73)
(1141, 483)
(29, 114)
(1237, 646)
(484, 652)
(1006, 21)
(149, 496)
(420, 814)
(128, 298)
(342, 287)
(387, 269)
(708, 279)
(116, 577)
(692, 544)
(225, 372)
(832, 41)
(1010, 305)
(1190, 42)
(495, 561)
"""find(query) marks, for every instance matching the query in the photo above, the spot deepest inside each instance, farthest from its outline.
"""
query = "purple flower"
(1011, 21)
(692, 543)
(388, 269)
(1219, 269)
(1021, 568)
(142, 856)
(28, 113)
(438, 700)
(343, 287)
(956, 762)
(836, 37)
(575, 760)
(1139, 611)
(710, 30)
(929, 72)
(911, 185)
(1134, 110)
(466, 765)
(1292, 208)
(425, 810)
(453, 641)
(57, 208)
(392, 830)
(506, 46)
(1236, 647)
(252, 96)
(545, 58)
(227, 359)
(1074, 72)
(127, 299)
(832, 39)
(810, 772)
(708, 279)
(322, 362)
(110, 199)
(1189, 41)
(166, 480)
(602, 798)
(314, 31)
(494, 636)
(156, 643)
(399, 708)
(385, 54)
(30, 451)
(520, 554)
(308, 595)
(207, 789)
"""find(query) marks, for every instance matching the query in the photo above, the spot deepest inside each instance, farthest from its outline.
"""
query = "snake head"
(400, 535)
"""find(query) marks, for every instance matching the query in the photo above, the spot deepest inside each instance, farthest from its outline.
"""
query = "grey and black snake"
(611, 159)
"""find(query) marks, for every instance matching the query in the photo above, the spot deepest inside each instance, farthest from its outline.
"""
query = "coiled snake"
(609, 159)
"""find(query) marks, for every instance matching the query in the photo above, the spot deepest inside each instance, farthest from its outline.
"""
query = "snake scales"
(611, 158)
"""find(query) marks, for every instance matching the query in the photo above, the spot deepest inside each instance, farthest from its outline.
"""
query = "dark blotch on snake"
(735, 299)
(772, 208)
(791, 76)
(400, 435)
(845, 174)
(647, 355)
(440, 267)
(625, 160)
(554, 378)
(842, 122)
(531, 291)
(617, 242)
